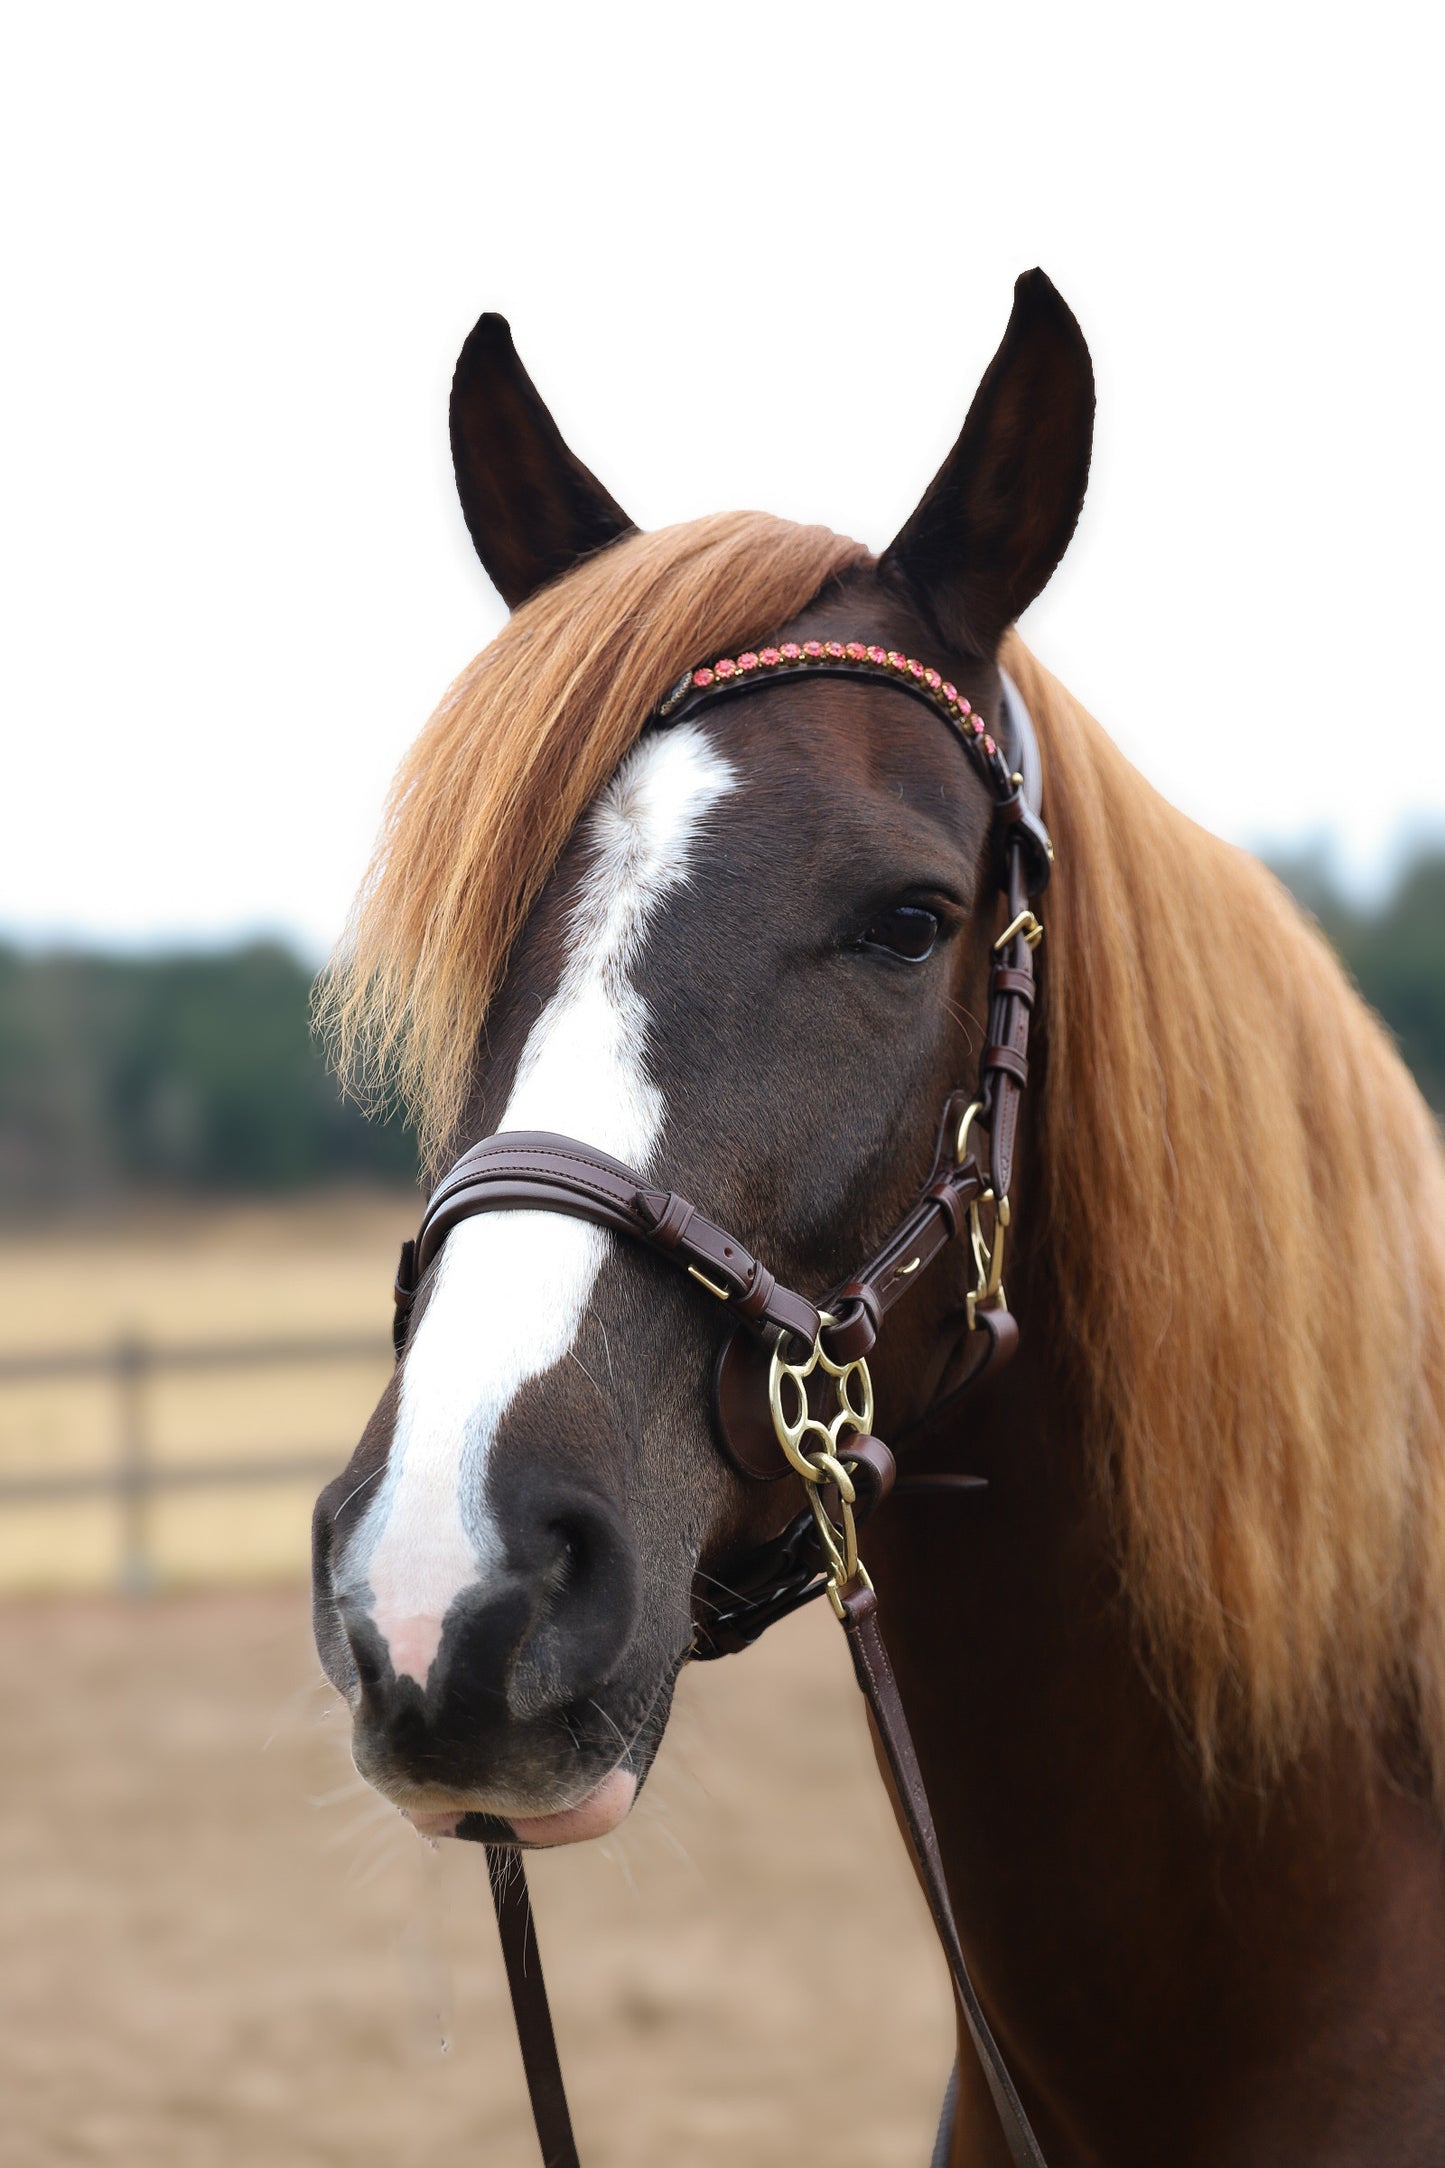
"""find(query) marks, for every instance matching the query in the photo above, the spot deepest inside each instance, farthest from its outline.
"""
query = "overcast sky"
(753, 255)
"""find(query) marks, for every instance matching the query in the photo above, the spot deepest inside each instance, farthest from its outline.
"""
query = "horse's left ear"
(532, 508)
(998, 515)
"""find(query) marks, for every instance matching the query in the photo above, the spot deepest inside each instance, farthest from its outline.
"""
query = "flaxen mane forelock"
(522, 742)
(1240, 1196)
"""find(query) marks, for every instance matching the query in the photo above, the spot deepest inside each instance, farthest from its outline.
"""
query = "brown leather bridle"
(767, 1427)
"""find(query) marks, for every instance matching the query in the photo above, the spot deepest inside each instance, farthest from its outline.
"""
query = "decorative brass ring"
(801, 1427)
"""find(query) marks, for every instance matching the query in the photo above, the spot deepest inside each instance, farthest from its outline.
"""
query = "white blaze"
(512, 1287)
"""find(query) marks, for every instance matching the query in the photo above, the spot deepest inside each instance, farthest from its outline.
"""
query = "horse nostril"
(368, 1650)
(576, 1556)
(546, 1627)
(368, 1667)
(585, 1576)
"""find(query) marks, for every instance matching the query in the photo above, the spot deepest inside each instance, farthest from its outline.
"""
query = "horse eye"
(907, 931)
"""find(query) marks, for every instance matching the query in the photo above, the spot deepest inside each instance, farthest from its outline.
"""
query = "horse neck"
(1163, 1968)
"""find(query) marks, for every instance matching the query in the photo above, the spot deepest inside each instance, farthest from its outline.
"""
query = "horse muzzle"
(514, 1702)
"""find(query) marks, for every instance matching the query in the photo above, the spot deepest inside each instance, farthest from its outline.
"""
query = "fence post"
(132, 1363)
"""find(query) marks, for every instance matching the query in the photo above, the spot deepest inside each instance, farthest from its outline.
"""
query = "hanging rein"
(786, 1354)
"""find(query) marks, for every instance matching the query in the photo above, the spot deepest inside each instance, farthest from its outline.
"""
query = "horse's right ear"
(530, 505)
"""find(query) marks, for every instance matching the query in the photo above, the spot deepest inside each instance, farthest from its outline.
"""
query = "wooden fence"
(133, 1476)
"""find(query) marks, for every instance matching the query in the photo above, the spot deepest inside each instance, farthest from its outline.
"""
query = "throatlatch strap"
(530, 2008)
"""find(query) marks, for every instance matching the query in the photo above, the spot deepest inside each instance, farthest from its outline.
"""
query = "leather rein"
(786, 1356)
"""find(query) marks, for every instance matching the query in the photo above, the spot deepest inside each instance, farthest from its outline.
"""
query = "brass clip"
(987, 1256)
(1027, 925)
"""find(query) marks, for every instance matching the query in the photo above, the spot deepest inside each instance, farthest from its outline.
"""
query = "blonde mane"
(1239, 1193)
(522, 742)
(1242, 1205)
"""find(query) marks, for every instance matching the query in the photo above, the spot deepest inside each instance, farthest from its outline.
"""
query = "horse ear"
(998, 515)
(530, 505)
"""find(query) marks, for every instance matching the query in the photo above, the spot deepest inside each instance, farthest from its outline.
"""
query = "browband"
(1016, 784)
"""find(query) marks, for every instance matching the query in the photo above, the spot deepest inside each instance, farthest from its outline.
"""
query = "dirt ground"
(217, 1950)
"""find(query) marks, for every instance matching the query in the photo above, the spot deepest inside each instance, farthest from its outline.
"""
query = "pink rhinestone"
(963, 706)
(726, 669)
(702, 677)
(790, 651)
(950, 692)
(896, 661)
(932, 680)
(876, 654)
(813, 648)
(767, 657)
(989, 746)
(856, 651)
(835, 649)
(748, 661)
(915, 669)
(977, 727)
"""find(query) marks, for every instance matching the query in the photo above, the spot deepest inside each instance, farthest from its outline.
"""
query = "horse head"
(752, 967)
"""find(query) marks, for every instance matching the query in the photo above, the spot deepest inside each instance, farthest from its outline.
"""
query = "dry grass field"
(183, 1275)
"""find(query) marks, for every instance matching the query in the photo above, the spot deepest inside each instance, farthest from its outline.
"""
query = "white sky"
(752, 256)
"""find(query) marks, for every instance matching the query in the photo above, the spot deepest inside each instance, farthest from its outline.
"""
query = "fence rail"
(134, 1476)
(133, 1350)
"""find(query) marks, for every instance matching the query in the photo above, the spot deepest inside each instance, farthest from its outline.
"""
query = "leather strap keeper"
(1004, 1058)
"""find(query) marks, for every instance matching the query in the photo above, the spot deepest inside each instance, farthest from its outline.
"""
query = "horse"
(1174, 1660)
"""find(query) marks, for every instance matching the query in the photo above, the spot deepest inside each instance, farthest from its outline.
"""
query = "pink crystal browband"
(1016, 797)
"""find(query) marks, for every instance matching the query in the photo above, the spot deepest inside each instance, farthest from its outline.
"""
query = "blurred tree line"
(196, 1071)
(1394, 952)
(200, 1072)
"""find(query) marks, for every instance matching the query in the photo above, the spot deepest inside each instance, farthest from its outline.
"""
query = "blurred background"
(752, 258)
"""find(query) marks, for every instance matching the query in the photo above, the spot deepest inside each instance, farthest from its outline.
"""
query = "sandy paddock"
(217, 1949)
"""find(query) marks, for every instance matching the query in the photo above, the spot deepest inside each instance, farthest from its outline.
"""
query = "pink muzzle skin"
(595, 1816)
